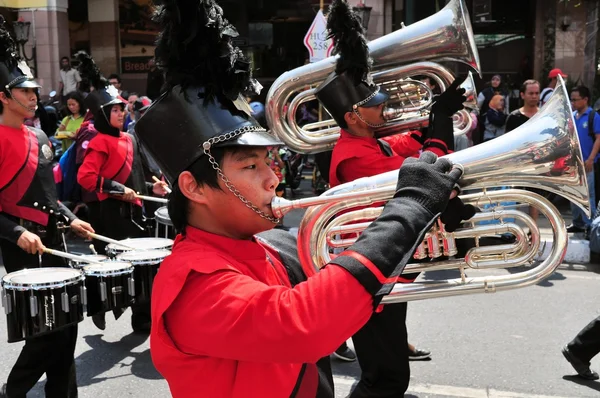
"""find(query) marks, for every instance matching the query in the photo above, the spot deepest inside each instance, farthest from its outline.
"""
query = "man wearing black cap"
(232, 313)
(30, 217)
(113, 171)
(357, 105)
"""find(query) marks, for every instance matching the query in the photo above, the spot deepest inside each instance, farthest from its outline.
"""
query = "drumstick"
(152, 198)
(166, 187)
(143, 197)
(109, 240)
(58, 253)
(93, 249)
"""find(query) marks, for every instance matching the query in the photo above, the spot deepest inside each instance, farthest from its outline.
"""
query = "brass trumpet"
(544, 153)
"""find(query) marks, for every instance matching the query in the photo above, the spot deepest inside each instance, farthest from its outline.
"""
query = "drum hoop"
(127, 269)
(146, 261)
(42, 286)
(118, 249)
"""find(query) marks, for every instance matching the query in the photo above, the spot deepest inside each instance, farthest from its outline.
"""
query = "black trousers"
(382, 349)
(52, 353)
(586, 344)
(119, 220)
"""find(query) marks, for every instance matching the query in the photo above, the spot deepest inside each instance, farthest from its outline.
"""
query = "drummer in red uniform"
(113, 171)
(232, 314)
(357, 105)
(30, 215)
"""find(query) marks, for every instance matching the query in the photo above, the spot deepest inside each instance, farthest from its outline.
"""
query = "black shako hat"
(206, 80)
(350, 86)
(102, 98)
(14, 72)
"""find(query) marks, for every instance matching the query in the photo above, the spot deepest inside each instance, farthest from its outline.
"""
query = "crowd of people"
(232, 310)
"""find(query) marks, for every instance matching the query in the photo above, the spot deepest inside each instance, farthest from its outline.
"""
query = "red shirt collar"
(240, 249)
(347, 135)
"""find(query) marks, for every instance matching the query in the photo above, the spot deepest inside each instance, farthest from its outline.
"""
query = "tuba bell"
(543, 153)
(410, 51)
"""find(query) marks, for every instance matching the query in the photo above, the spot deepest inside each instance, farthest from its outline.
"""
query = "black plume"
(194, 49)
(349, 41)
(89, 70)
(9, 54)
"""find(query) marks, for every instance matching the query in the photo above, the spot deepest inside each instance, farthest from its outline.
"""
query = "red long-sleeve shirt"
(356, 157)
(226, 322)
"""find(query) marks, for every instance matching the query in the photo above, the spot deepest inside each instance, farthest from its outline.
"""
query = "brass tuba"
(544, 153)
(410, 51)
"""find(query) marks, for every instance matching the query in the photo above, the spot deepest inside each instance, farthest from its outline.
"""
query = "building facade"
(518, 39)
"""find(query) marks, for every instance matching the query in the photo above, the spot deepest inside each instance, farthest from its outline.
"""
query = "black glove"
(456, 212)
(440, 133)
(451, 100)
(382, 251)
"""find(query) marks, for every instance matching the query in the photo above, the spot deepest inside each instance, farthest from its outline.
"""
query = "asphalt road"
(494, 345)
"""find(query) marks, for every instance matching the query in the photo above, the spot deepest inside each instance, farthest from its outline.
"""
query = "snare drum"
(109, 286)
(146, 265)
(140, 244)
(162, 218)
(40, 300)
(98, 258)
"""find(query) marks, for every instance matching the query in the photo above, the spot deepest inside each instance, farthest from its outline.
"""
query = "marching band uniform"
(381, 344)
(111, 163)
(235, 317)
(29, 202)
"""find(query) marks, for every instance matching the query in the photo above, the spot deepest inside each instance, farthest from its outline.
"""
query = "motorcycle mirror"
(52, 93)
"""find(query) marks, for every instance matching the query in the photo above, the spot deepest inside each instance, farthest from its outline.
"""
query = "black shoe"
(574, 229)
(582, 368)
(345, 354)
(418, 355)
(99, 320)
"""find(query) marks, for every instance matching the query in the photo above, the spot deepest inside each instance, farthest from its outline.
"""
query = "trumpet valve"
(449, 245)
(433, 243)
(421, 252)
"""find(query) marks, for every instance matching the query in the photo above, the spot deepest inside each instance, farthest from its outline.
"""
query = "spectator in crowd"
(133, 97)
(69, 79)
(483, 103)
(115, 80)
(547, 92)
(71, 123)
(154, 81)
(590, 146)
(495, 118)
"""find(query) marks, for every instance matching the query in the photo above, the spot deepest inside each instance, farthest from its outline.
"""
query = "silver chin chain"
(226, 137)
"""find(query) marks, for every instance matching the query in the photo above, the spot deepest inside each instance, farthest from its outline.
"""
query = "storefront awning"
(23, 3)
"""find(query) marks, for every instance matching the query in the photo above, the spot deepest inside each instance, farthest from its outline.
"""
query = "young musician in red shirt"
(231, 316)
(29, 222)
(357, 105)
(112, 170)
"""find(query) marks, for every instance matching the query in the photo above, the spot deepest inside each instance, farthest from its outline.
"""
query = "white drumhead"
(142, 244)
(146, 255)
(92, 257)
(41, 276)
(107, 267)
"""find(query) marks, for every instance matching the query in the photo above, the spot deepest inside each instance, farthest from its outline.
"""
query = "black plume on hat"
(206, 78)
(194, 49)
(14, 72)
(9, 54)
(349, 41)
(89, 70)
